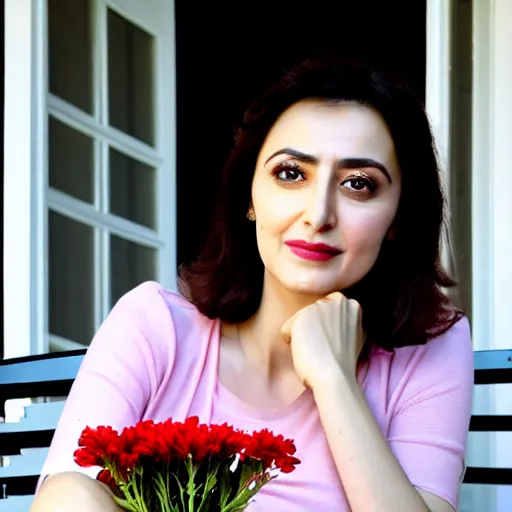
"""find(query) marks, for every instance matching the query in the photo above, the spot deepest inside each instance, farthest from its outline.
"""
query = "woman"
(315, 309)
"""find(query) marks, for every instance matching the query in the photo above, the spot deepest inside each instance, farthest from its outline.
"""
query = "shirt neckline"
(229, 402)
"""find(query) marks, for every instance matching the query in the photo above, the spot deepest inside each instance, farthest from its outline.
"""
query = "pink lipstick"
(312, 252)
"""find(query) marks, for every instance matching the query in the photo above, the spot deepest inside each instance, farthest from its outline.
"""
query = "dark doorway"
(229, 51)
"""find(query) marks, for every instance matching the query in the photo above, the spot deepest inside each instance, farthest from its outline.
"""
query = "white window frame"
(27, 195)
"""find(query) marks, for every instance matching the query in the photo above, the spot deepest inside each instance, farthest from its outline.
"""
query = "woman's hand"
(326, 337)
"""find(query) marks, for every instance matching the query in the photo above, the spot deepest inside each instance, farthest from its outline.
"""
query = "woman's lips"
(312, 252)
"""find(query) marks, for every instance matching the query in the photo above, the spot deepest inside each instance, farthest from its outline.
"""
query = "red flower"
(223, 441)
(132, 447)
(134, 457)
(171, 441)
(272, 451)
(184, 435)
(144, 439)
(97, 446)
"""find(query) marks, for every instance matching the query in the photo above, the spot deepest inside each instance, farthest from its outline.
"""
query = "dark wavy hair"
(402, 296)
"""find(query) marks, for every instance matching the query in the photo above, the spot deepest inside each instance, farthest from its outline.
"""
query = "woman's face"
(325, 193)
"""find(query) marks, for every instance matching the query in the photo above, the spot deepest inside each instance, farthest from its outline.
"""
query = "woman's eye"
(358, 185)
(289, 174)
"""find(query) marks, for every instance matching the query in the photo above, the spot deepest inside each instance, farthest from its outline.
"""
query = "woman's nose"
(321, 208)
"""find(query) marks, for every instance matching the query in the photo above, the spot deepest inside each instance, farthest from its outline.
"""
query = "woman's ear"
(251, 215)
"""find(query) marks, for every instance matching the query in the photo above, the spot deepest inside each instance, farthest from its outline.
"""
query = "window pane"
(70, 51)
(71, 278)
(132, 189)
(130, 75)
(71, 161)
(130, 265)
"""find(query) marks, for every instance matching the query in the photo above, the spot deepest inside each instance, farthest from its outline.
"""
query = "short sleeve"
(429, 424)
(119, 375)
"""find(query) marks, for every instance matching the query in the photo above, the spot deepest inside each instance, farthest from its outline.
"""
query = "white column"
(438, 74)
(23, 262)
(492, 177)
(438, 87)
(501, 94)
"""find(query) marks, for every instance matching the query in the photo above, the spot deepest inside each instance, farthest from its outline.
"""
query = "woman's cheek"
(278, 212)
(362, 231)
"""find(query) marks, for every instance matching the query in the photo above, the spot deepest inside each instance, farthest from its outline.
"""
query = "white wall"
(501, 211)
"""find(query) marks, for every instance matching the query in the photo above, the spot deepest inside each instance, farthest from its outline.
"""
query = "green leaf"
(225, 486)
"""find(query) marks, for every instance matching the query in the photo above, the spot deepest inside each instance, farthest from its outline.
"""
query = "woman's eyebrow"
(299, 155)
(344, 163)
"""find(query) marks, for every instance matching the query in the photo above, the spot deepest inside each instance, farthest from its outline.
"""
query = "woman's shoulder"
(151, 298)
(443, 362)
(453, 346)
(157, 310)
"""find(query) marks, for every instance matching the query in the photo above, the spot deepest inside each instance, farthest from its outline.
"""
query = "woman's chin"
(312, 282)
(312, 287)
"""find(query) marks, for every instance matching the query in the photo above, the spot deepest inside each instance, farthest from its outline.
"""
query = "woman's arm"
(423, 447)
(372, 477)
(120, 375)
(73, 492)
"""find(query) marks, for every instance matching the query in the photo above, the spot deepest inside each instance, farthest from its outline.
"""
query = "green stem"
(125, 505)
(180, 487)
(138, 496)
(166, 487)
(191, 490)
(167, 482)
(211, 480)
(161, 492)
(126, 490)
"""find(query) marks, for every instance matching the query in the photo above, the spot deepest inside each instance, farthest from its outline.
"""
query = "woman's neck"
(260, 336)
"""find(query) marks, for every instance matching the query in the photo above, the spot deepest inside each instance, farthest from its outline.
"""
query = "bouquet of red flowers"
(184, 466)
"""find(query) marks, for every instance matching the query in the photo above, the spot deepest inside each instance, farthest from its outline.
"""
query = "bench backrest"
(25, 444)
(491, 367)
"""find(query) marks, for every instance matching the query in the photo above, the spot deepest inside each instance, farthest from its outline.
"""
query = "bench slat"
(29, 463)
(20, 485)
(43, 416)
(39, 369)
(16, 504)
(14, 442)
(486, 423)
(488, 476)
(493, 367)
(493, 360)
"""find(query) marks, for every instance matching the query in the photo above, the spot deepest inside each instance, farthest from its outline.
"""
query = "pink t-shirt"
(156, 357)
